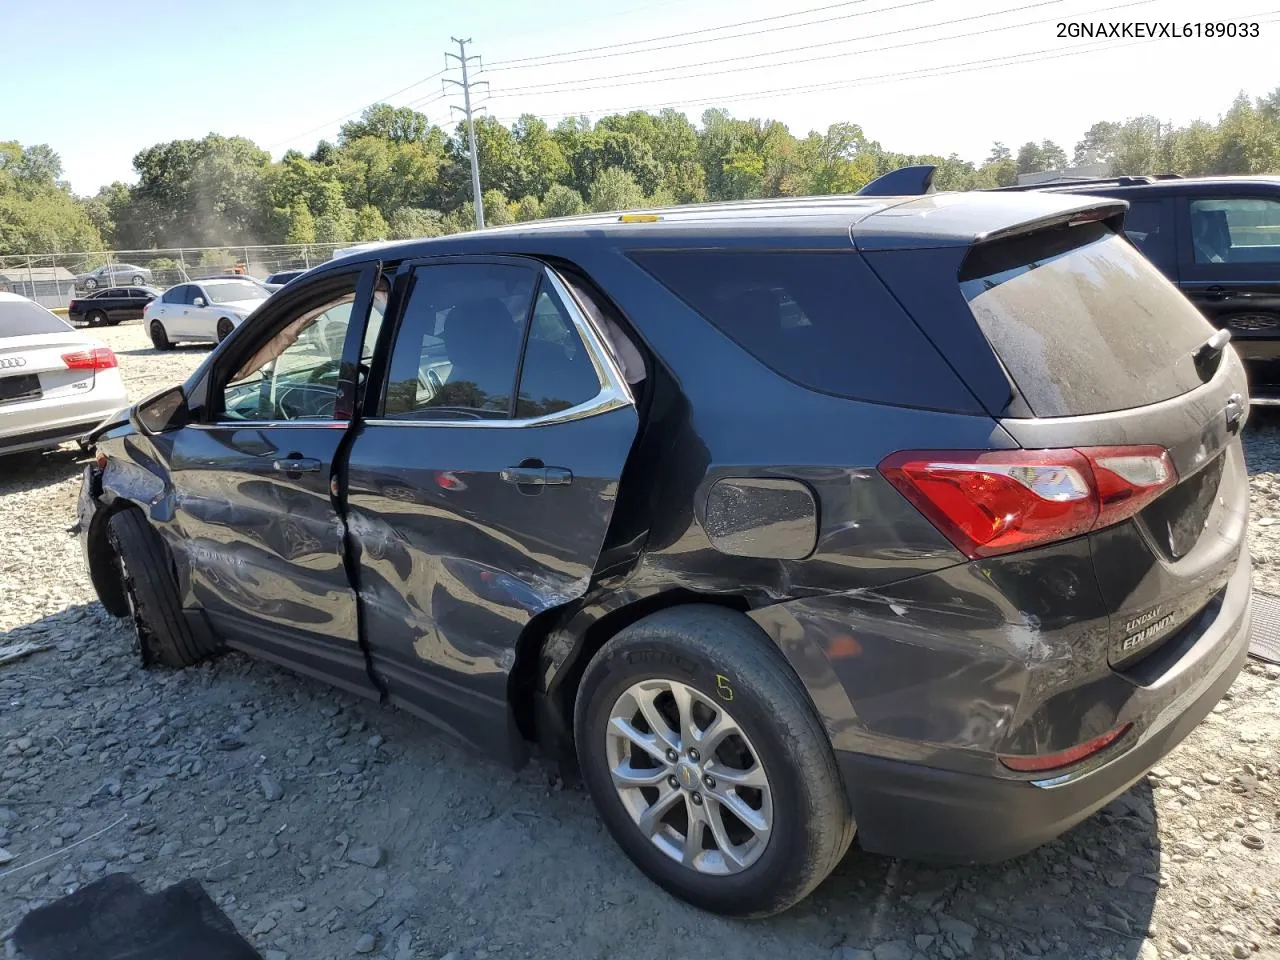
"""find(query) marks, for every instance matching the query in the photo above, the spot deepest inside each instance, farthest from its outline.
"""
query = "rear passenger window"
(557, 372)
(458, 344)
(822, 320)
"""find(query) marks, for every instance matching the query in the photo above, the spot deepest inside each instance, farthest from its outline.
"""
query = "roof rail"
(910, 181)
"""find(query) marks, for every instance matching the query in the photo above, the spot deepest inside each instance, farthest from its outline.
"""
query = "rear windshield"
(232, 290)
(1082, 321)
(22, 318)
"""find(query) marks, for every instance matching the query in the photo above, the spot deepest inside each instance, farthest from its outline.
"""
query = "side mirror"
(166, 410)
(199, 302)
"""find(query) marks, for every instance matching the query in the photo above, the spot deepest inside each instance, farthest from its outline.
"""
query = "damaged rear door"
(481, 481)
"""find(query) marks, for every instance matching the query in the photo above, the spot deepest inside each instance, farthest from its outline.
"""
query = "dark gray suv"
(922, 518)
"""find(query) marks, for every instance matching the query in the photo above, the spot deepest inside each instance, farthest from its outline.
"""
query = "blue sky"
(283, 72)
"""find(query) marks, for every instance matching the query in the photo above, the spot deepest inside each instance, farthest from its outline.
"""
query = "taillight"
(1065, 758)
(995, 501)
(99, 358)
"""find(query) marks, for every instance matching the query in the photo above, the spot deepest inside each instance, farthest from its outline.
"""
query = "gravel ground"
(330, 827)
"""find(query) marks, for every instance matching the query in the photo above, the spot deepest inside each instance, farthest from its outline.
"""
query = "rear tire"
(159, 338)
(225, 327)
(163, 634)
(91, 284)
(96, 318)
(730, 675)
(137, 281)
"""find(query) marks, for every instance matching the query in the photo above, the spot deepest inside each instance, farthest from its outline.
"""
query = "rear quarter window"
(1082, 322)
(821, 319)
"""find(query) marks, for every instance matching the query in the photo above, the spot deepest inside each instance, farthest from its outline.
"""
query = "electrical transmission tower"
(466, 85)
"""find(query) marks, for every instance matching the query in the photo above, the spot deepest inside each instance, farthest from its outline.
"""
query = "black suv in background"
(920, 516)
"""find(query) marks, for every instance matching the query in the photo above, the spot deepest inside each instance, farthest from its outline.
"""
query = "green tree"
(999, 169)
(302, 225)
(397, 124)
(562, 201)
(105, 207)
(1098, 144)
(601, 150)
(1040, 157)
(528, 208)
(38, 214)
(543, 160)
(370, 225)
(198, 193)
(497, 211)
(615, 189)
(835, 162)
(409, 223)
(335, 227)
(1137, 147)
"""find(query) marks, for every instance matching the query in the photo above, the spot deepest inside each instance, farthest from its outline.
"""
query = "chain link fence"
(53, 279)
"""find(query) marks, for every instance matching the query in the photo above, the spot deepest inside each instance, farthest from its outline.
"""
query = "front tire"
(163, 634)
(159, 338)
(91, 284)
(708, 764)
(137, 281)
(225, 327)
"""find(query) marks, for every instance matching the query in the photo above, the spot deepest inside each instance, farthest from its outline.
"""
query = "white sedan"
(207, 310)
(55, 383)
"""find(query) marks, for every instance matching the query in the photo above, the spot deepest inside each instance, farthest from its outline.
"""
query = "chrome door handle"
(297, 465)
(538, 476)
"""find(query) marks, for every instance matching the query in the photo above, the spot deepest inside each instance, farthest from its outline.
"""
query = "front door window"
(294, 376)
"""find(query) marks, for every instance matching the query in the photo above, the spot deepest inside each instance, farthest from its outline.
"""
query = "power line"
(714, 40)
(685, 33)
(922, 73)
(352, 113)
(917, 74)
(566, 85)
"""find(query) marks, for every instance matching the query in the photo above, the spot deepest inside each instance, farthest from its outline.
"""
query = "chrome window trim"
(614, 392)
(270, 424)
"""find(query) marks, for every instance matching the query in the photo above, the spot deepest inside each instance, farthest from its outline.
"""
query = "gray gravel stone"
(369, 856)
(366, 943)
(271, 789)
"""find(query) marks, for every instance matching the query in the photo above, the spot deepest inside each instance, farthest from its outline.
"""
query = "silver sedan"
(55, 383)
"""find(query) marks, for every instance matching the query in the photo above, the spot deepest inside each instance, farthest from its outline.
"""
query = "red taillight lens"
(1065, 758)
(995, 501)
(99, 358)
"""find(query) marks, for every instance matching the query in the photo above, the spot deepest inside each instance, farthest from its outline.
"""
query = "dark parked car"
(277, 280)
(923, 517)
(111, 306)
(113, 274)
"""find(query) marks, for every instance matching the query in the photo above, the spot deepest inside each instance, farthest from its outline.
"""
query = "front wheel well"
(104, 568)
(555, 650)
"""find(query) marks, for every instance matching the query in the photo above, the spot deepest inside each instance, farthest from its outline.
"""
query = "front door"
(256, 480)
(481, 483)
(1229, 265)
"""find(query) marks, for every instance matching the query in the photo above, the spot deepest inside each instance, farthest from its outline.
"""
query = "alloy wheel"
(689, 777)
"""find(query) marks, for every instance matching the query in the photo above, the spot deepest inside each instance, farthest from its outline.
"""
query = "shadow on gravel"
(177, 348)
(21, 472)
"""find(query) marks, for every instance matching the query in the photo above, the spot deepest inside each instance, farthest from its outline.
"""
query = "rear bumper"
(47, 423)
(919, 812)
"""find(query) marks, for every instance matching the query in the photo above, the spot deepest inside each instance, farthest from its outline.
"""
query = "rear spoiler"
(904, 182)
